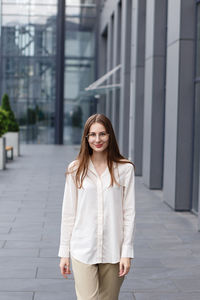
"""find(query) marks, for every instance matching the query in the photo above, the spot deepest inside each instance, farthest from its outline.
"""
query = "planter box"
(12, 139)
(2, 153)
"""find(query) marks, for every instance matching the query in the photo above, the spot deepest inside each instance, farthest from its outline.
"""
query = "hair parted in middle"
(113, 153)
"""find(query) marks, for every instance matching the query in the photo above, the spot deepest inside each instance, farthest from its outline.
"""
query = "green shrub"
(3, 121)
(11, 122)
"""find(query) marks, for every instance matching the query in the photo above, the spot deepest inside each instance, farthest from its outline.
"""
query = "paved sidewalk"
(167, 243)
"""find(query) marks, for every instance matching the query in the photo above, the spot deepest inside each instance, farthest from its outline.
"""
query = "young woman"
(98, 214)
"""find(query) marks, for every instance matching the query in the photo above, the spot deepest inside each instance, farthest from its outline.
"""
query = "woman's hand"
(124, 266)
(65, 266)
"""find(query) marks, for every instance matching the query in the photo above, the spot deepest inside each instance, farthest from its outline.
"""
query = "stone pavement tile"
(26, 222)
(31, 198)
(180, 226)
(21, 244)
(34, 204)
(151, 285)
(2, 243)
(38, 285)
(32, 218)
(29, 262)
(188, 236)
(126, 296)
(180, 262)
(52, 209)
(13, 194)
(170, 273)
(10, 203)
(157, 253)
(50, 272)
(4, 229)
(16, 271)
(51, 235)
(166, 244)
(147, 263)
(70, 295)
(6, 210)
(59, 295)
(32, 211)
(167, 296)
(151, 226)
(27, 230)
(50, 252)
(16, 296)
(21, 236)
(148, 219)
(188, 284)
(19, 252)
(30, 244)
(17, 226)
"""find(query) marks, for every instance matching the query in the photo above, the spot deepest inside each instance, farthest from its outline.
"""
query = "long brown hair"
(113, 154)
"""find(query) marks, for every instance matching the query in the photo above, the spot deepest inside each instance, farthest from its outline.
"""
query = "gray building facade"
(153, 98)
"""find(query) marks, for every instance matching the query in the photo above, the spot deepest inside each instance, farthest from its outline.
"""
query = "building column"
(154, 93)
(137, 84)
(60, 70)
(116, 61)
(179, 105)
(102, 67)
(109, 66)
(125, 77)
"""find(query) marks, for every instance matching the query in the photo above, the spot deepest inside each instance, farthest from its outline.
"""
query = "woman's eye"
(102, 134)
(92, 134)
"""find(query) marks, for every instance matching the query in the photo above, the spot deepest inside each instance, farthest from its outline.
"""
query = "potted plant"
(76, 124)
(3, 120)
(12, 127)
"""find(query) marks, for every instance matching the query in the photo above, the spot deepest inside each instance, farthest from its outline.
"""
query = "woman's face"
(98, 138)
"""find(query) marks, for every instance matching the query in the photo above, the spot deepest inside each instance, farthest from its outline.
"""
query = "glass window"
(79, 67)
(28, 52)
(28, 56)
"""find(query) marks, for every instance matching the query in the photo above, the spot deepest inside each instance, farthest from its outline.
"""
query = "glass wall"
(79, 67)
(28, 65)
(28, 52)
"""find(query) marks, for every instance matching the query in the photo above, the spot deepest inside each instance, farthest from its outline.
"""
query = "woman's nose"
(97, 137)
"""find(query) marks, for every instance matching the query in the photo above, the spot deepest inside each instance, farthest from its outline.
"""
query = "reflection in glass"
(79, 67)
(28, 64)
(28, 49)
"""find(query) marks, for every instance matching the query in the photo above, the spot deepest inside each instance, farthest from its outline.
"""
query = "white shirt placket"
(100, 220)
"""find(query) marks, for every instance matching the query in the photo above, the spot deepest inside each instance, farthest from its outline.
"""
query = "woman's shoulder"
(125, 164)
(72, 166)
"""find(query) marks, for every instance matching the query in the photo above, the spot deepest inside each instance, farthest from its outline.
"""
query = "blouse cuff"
(127, 251)
(63, 251)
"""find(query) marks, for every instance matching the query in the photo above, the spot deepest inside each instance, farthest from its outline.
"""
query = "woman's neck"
(99, 157)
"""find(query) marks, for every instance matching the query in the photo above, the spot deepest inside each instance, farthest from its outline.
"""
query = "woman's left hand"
(124, 266)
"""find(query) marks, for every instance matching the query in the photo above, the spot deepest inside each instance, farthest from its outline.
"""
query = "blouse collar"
(92, 168)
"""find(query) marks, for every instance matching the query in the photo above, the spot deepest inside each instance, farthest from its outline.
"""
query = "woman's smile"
(99, 145)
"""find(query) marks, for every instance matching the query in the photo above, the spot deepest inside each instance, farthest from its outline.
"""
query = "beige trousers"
(97, 281)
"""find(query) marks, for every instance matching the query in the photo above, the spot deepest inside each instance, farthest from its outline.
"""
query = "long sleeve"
(68, 215)
(129, 214)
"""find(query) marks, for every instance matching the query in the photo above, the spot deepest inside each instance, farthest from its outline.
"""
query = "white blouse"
(98, 221)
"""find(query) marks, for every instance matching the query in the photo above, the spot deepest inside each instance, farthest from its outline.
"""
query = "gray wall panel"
(179, 107)
(154, 94)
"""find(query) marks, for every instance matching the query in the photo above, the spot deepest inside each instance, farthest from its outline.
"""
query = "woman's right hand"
(65, 266)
